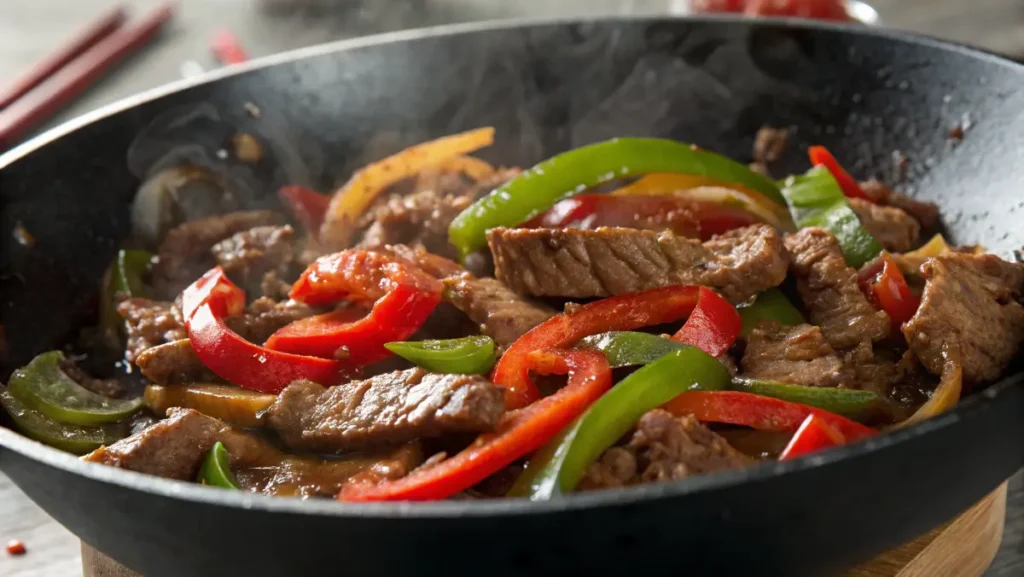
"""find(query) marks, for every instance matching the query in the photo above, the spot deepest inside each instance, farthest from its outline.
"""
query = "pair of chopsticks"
(67, 73)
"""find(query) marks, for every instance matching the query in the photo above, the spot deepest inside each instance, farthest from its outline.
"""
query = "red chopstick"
(96, 31)
(71, 80)
(227, 49)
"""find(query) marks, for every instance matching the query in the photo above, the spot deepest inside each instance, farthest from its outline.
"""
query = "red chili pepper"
(813, 435)
(761, 413)
(683, 216)
(820, 156)
(713, 325)
(884, 284)
(817, 9)
(718, 5)
(621, 313)
(205, 305)
(227, 48)
(519, 433)
(405, 296)
(306, 205)
(16, 547)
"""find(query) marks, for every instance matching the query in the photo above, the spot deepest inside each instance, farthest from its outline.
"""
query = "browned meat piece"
(184, 254)
(770, 144)
(249, 256)
(113, 388)
(175, 448)
(576, 263)
(264, 316)
(926, 213)
(896, 230)
(501, 314)
(798, 354)
(830, 293)
(663, 448)
(149, 323)
(969, 301)
(390, 408)
(173, 363)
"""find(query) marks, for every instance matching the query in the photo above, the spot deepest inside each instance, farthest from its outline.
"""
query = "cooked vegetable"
(559, 466)
(235, 405)
(307, 206)
(946, 394)
(205, 305)
(124, 279)
(813, 435)
(43, 386)
(761, 413)
(520, 432)
(625, 312)
(573, 172)
(816, 200)
(470, 166)
(216, 469)
(465, 356)
(820, 156)
(769, 305)
(712, 326)
(889, 291)
(852, 403)
(628, 348)
(365, 185)
(75, 439)
(404, 297)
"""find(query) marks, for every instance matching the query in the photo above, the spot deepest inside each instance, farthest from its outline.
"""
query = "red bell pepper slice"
(761, 413)
(813, 435)
(205, 305)
(519, 433)
(816, 9)
(405, 296)
(820, 156)
(889, 290)
(713, 325)
(683, 216)
(306, 205)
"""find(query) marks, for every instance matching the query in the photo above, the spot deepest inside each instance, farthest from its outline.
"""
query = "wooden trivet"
(964, 547)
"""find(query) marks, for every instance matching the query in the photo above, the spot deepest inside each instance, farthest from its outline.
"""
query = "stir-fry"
(632, 311)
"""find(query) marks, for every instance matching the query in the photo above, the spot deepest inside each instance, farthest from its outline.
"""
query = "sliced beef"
(175, 448)
(173, 363)
(574, 263)
(248, 257)
(149, 323)
(797, 354)
(501, 314)
(970, 302)
(830, 292)
(663, 448)
(390, 408)
(926, 213)
(184, 254)
(770, 144)
(264, 316)
(896, 230)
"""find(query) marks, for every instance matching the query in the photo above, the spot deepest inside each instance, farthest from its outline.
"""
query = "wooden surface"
(29, 28)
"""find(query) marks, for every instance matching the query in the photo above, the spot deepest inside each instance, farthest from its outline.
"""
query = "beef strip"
(175, 448)
(184, 254)
(500, 313)
(896, 230)
(770, 144)
(389, 408)
(663, 448)
(264, 316)
(149, 323)
(830, 292)
(249, 256)
(796, 354)
(926, 213)
(574, 263)
(969, 301)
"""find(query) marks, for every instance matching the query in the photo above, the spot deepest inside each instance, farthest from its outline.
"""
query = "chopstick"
(71, 80)
(96, 31)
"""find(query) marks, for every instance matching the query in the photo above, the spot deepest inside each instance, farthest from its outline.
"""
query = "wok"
(546, 87)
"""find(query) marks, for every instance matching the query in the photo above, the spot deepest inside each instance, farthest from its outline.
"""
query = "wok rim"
(636, 495)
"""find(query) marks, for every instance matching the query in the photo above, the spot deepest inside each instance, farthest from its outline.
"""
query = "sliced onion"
(946, 395)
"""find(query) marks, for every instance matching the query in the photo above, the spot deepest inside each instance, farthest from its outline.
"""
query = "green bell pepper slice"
(573, 172)
(42, 385)
(769, 305)
(815, 199)
(74, 439)
(123, 279)
(466, 356)
(851, 403)
(216, 469)
(629, 348)
(559, 466)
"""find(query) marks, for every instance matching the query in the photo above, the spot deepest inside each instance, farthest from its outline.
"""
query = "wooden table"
(28, 28)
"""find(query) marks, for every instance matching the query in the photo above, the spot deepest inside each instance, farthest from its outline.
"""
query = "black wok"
(546, 87)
